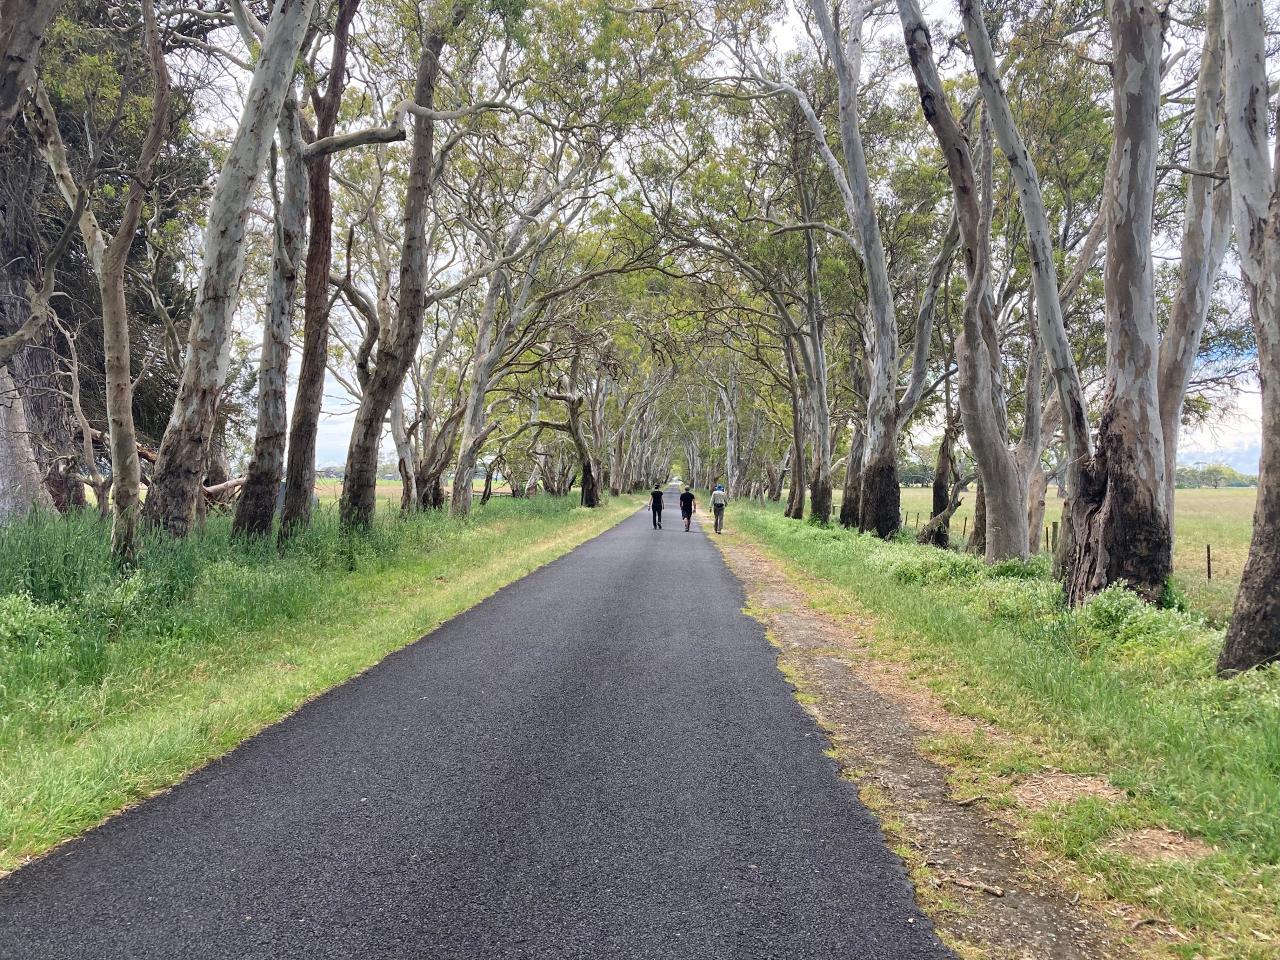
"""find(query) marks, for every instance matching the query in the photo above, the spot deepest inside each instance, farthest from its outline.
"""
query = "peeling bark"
(256, 508)
(180, 467)
(22, 27)
(1253, 636)
(1119, 510)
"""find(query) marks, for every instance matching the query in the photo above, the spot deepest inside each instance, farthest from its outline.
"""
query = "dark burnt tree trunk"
(1119, 510)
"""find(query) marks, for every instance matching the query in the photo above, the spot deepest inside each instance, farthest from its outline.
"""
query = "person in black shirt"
(655, 504)
(687, 504)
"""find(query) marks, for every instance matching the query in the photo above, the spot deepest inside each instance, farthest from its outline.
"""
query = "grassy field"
(1115, 689)
(388, 491)
(1223, 519)
(111, 689)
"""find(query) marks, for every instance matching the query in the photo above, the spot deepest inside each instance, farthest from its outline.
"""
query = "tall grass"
(1115, 686)
(111, 687)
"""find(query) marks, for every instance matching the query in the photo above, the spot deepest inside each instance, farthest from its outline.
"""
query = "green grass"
(1115, 687)
(112, 689)
(1222, 519)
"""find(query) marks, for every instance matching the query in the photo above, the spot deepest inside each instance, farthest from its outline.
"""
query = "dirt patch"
(1054, 788)
(987, 895)
(1156, 844)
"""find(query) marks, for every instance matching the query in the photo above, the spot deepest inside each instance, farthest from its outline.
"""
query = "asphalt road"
(601, 760)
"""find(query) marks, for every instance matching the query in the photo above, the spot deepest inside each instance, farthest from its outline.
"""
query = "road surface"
(601, 760)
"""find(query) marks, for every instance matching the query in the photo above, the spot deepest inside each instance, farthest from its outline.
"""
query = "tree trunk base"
(880, 507)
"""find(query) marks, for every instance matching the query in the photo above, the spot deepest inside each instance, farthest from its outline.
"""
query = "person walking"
(687, 506)
(718, 499)
(655, 504)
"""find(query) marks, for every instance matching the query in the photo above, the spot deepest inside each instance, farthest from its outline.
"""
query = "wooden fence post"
(1208, 561)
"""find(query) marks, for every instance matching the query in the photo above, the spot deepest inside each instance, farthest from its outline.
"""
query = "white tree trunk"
(255, 511)
(1119, 519)
(1205, 235)
(1004, 481)
(1253, 637)
(181, 463)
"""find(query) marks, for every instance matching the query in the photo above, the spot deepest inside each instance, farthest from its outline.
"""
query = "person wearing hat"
(718, 499)
(655, 504)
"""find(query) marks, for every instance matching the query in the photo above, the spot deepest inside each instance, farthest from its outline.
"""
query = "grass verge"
(113, 689)
(1114, 688)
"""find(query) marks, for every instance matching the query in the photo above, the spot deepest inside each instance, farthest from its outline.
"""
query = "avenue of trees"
(577, 244)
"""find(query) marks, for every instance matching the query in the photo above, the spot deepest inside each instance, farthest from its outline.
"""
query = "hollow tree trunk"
(944, 467)
(181, 461)
(1119, 513)
(256, 507)
(1253, 636)
(300, 471)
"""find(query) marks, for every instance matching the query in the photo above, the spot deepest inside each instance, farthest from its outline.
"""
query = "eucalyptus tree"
(1118, 519)
(1253, 636)
(547, 200)
(180, 466)
(109, 255)
(303, 427)
(255, 510)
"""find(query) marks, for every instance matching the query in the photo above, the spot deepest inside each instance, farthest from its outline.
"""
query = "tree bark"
(978, 536)
(22, 27)
(1253, 636)
(944, 467)
(980, 391)
(852, 493)
(21, 489)
(109, 259)
(300, 470)
(359, 497)
(256, 508)
(1119, 513)
(180, 466)
(880, 503)
(1206, 233)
